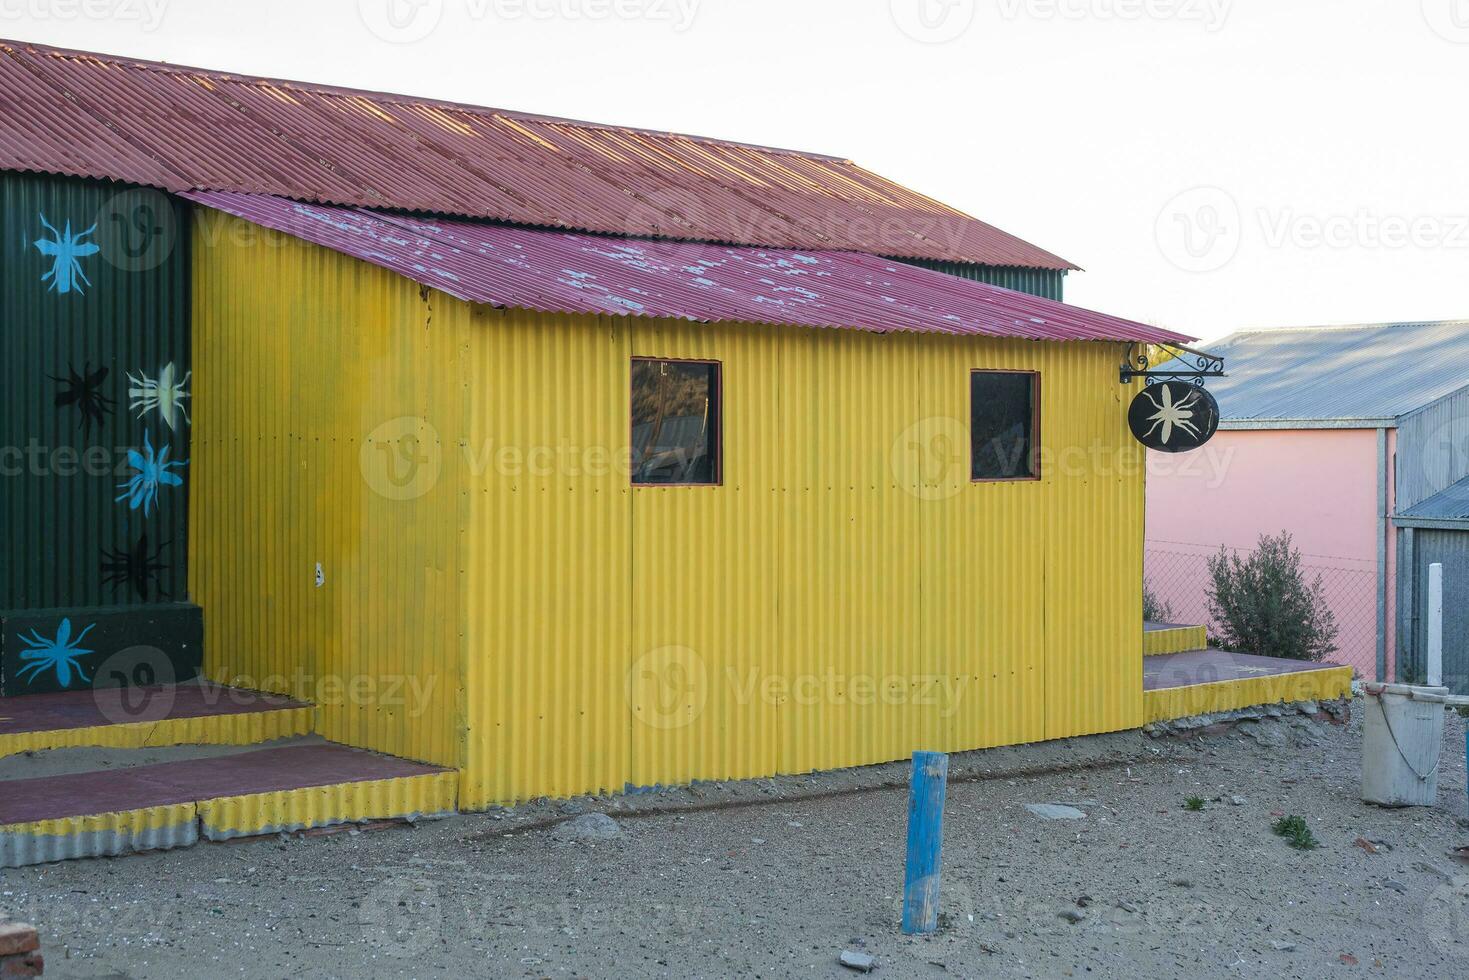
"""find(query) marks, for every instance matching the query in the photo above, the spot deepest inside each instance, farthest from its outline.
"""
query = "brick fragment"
(17, 937)
(25, 965)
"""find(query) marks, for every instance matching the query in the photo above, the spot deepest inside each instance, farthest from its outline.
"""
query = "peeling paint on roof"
(571, 272)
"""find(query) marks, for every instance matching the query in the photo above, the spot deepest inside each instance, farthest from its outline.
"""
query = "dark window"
(1003, 425)
(675, 421)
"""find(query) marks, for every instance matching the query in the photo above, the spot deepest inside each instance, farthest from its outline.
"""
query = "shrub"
(1155, 610)
(1296, 833)
(1263, 604)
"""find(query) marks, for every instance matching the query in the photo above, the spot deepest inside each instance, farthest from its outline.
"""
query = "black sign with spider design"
(1173, 416)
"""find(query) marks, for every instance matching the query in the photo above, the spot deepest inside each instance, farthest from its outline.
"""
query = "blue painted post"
(925, 842)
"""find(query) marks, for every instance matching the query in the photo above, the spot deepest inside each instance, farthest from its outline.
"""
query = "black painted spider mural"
(138, 567)
(84, 390)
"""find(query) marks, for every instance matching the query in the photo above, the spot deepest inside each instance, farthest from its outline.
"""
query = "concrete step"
(127, 807)
(196, 713)
(1162, 638)
(1200, 682)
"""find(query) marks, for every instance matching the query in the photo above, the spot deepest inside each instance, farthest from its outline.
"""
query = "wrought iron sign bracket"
(1181, 364)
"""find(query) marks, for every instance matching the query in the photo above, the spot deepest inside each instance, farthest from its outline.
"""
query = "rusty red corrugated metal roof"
(92, 115)
(574, 272)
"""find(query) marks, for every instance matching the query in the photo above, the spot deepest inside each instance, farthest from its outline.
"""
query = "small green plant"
(1194, 804)
(1263, 604)
(1155, 610)
(1296, 833)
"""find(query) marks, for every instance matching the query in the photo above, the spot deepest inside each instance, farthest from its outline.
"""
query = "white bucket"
(1402, 737)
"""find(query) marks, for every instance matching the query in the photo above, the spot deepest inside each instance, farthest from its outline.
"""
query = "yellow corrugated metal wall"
(846, 596)
(547, 594)
(301, 354)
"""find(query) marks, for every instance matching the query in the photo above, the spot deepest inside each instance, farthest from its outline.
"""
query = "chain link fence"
(1177, 576)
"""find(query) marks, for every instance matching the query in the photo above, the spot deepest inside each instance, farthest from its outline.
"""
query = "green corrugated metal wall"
(61, 470)
(1046, 283)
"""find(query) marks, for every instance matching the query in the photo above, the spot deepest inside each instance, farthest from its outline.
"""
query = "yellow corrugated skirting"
(1202, 699)
(321, 806)
(239, 729)
(124, 821)
(1176, 640)
(93, 835)
(182, 824)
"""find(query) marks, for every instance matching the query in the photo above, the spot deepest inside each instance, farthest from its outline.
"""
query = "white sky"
(1331, 133)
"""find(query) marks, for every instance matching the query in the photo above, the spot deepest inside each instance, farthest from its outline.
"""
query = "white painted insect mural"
(165, 394)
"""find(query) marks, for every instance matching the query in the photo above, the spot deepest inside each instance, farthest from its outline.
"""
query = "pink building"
(1324, 432)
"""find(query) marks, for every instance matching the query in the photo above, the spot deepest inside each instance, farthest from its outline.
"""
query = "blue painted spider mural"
(153, 471)
(65, 250)
(60, 653)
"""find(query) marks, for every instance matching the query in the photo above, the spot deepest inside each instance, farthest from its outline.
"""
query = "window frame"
(716, 393)
(1035, 427)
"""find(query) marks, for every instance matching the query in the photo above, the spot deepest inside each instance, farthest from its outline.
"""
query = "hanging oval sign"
(1173, 417)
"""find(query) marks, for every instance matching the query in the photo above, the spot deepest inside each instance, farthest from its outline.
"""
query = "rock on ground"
(588, 826)
(1055, 811)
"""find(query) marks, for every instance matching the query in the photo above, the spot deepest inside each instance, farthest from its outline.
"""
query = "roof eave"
(1254, 425)
(1433, 523)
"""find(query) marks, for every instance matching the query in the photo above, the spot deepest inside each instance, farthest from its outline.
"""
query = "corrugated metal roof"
(1447, 505)
(574, 272)
(1368, 373)
(100, 116)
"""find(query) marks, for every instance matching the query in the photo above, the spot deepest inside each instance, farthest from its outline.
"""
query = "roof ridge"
(205, 128)
(404, 97)
(1340, 327)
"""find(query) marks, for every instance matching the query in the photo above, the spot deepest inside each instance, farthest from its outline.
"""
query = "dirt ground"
(769, 885)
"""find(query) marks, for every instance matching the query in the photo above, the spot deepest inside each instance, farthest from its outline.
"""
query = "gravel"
(776, 878)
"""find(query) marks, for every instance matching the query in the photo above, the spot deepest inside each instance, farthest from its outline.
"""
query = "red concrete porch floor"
(114, 706)
(190, 781)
